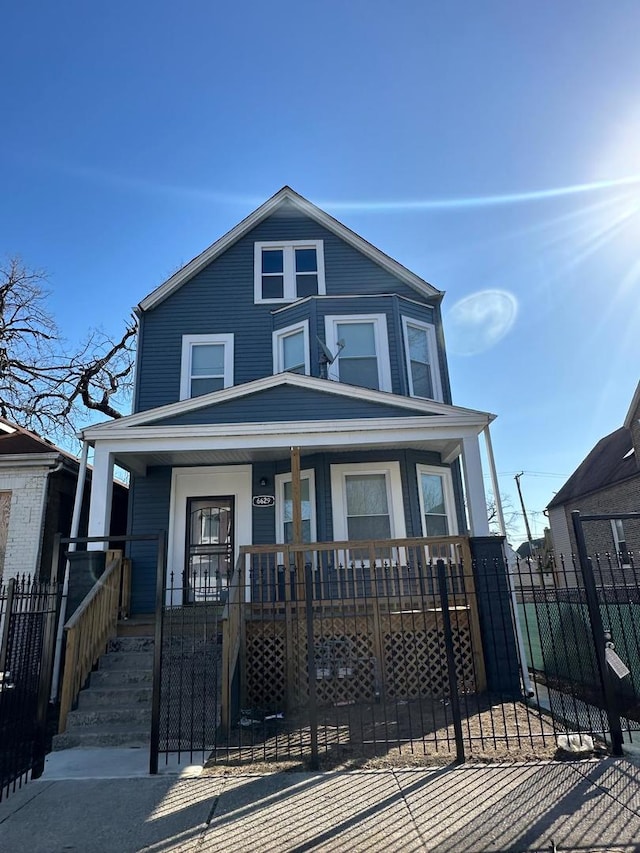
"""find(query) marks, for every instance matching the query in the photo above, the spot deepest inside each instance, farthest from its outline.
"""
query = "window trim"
(188, 342)
(395, 499)
(278, 350)
(449, 496)
(289, 271)
(280, 480)
(381, 337)
(434, 364)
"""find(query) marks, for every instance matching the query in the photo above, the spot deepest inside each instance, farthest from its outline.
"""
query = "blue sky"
(135, 134)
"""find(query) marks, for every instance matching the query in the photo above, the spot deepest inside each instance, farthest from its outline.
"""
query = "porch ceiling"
(139, 460)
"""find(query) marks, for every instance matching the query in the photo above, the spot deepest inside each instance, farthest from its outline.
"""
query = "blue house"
(290, 331)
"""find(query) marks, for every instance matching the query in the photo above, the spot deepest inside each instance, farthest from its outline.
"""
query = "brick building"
(607, 481)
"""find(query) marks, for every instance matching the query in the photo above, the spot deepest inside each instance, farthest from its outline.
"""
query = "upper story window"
(207, 364)
(287, 271)
(422, 359)
(437, 503)
(291, 349)
(362, 348)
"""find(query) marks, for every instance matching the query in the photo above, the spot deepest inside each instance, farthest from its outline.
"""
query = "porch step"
(115, 708)
(120, 677)
(118, 696)
(113, 735)
(95, 715)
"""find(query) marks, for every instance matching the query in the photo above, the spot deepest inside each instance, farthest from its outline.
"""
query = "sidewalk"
(579, 806)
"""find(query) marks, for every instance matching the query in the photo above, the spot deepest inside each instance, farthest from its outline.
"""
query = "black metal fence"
(28, 617)
(410, 656)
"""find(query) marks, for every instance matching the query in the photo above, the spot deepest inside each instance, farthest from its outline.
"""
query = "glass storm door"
(209, 548)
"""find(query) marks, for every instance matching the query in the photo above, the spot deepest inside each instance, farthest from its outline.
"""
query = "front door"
(210, 548)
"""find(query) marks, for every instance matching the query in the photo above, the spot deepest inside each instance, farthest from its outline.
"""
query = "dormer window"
(284, 272)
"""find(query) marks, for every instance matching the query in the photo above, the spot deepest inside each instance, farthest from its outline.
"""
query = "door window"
(209, 548)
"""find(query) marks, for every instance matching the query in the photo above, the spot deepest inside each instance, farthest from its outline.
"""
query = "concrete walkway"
(578, 806)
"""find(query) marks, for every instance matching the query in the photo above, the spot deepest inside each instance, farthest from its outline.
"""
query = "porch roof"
(190, 433)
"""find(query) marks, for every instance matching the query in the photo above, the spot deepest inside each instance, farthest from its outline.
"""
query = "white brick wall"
(28, 494)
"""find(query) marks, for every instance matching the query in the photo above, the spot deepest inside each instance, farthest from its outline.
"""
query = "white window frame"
(278, 346)
(289, 268)
(381, 337)
(280, 480)
(430, 330)
(449, 496)
(395, 502)
(617, 541)
(188, 342)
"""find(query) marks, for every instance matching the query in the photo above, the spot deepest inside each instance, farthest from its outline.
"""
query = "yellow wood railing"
(90, 628)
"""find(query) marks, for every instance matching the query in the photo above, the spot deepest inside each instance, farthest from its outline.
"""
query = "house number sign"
(264, 500)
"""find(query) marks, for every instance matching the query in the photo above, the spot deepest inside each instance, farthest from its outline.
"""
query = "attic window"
(284, 272)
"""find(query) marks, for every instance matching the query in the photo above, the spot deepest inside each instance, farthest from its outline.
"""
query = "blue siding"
(150, 498)
(219, 299)
(287, 403)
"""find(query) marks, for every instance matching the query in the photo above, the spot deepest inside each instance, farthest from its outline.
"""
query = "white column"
(101, 494)
(474, 486)
(494, 481)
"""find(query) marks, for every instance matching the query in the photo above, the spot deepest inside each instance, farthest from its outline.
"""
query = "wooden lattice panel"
(266, 683)
(347, 670)
(415, 662)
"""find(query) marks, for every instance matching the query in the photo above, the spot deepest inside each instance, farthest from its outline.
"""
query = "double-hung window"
(284, 505)
(287, 271)
(291, 349)
(361, 346)
(207, 364)
(437, 505)
(421, 359)
(367, 501)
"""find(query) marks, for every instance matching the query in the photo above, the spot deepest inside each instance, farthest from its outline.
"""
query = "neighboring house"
(605, 483)
(289, 331)
(37, 487)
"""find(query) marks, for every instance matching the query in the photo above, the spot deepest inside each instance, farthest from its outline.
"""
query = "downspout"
(46, 495)
(75, 526)
(524, 671)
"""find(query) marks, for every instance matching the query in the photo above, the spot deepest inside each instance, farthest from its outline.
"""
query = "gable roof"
(18, 441)
(286, 194)
(608, 463)
(172, 410)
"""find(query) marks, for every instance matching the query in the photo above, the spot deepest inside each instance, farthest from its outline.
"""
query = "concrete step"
(131, 644)
(113, 735)
(127, 660)
(127, 715)
(120, 677)
(115, 696)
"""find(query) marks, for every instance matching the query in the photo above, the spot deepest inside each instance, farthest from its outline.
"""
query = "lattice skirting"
(355, 661)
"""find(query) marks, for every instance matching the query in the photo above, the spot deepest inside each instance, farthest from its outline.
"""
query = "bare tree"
(43, 385)
(511, 515)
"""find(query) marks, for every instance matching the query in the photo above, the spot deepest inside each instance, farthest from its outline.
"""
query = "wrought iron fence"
(408, 651)
(28, 614)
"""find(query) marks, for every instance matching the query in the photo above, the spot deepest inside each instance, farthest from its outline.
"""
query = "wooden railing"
(387, 568)
(91, 627)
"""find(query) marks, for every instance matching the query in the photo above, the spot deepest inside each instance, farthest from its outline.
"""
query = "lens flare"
(477, 322)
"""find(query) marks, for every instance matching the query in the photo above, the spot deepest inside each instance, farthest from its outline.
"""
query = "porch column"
(474, 486)
(101, 494)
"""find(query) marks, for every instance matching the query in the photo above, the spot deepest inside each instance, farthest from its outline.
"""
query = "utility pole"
(524, 513)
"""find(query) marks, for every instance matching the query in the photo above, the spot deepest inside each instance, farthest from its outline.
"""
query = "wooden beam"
(296, 496)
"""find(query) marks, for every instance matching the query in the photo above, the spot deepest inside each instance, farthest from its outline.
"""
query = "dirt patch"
(418, 733)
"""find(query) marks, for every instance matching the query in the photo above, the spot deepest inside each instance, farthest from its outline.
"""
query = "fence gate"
(28, 618)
